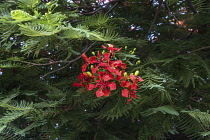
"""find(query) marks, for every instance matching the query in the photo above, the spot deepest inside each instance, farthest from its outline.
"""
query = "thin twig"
(65, 110)
(106, 7)
(192, 8)
(97, 129)
(70, 61)
(198, 101)
(112, 8)
(200, 49)
(169, 12)
(156, 15)
(91, 13)
(207, 47)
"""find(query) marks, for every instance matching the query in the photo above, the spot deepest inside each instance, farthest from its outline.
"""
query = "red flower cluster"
(104, 72)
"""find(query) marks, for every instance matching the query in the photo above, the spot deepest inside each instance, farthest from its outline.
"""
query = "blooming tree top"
(105, 72)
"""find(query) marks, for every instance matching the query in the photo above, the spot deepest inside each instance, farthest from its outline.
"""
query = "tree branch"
(69, 62)
(112, 8)
(169, 12)
(105, 8)
(200, 49)
(156, 15)
(192, 8)
(207, 47)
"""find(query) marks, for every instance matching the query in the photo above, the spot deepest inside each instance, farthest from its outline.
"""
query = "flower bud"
(125, 74)
(89, 73)
(132, 52)
(103, 51)
(138, 62)
(126, 47)
(136, 73)
(134, 49)
(91, 66)
(93, 53)
(49, 3)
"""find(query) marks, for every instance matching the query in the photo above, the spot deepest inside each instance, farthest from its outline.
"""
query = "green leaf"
(15, 58)
(28, 3)
(167, 109)
(205, 133)
(21, 16)
(36, 29)
(2, 127)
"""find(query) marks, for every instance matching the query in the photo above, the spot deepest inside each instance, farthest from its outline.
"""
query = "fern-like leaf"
(10, 65)
(21, 16)
(28, 3)
(96, 20)
(36, 29)
(167, 109)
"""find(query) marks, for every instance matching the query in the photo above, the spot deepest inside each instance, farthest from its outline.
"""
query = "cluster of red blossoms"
(105, 71)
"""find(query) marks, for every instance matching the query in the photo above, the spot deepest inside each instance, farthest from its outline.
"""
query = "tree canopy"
(104, 69)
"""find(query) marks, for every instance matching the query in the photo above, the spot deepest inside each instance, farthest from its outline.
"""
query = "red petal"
(102, 64)
(93, 59)
(81, 76)
(84, 57)
(133, 94)
(118, 63)
(119, 78)
(94, 70)
(140, 79)
(125, 83)
(110, 69)
(125, 93)
(118, 73)
(112, 86)
(129, 100)
(101, 74)
(99, 93)
(111, 48)
(108, 77)
(84, 67)
(106, 56)
(99, 55)
(103, 46)
(134, 86)
(106, 92)
(123, 66)
(91, 86)
(133, 77)
(76, 85)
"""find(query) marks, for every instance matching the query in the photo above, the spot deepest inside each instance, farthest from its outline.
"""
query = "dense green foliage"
(40, 51)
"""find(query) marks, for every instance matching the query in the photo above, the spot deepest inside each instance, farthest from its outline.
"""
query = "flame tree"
(104, 69)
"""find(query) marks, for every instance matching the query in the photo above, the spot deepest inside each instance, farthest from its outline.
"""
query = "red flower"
(125, 83)
(106, 56)
(108, 77)
(102, 92)
(84, 80)
(129, 93)
(135, 78)
(111, 48)
(88, 61)
(105, 72)
(118, 64)
(125, 93)
(105, 88)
